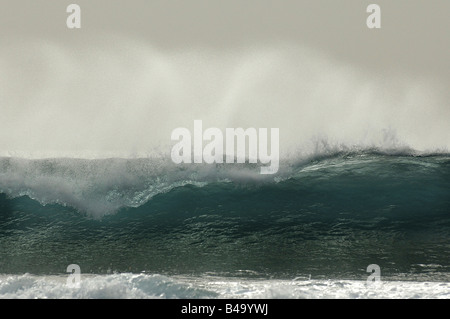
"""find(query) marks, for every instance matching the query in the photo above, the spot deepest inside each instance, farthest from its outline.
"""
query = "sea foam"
(148, 286)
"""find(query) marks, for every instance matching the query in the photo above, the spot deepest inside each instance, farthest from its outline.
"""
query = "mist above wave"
(118, 97)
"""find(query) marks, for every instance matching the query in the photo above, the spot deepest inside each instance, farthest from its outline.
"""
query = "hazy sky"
(138, 69)
(414, 36)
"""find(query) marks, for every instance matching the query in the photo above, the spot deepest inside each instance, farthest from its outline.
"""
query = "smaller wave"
(151, 286)
(115, 286)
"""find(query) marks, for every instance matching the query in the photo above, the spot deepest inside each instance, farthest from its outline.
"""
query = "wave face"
(328, 217)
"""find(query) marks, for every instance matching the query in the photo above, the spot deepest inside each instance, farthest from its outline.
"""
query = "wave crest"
(104, 186)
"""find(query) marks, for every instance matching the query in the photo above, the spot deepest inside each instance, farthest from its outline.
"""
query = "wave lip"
(100, 187)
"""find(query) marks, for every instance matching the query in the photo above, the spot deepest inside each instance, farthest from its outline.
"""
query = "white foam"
(137, 286)
(102, 187)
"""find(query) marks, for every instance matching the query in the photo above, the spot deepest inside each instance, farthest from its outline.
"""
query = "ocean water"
(86, 176)
(147, 228)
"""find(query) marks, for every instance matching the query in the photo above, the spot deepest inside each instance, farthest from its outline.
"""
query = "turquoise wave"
(327, 217)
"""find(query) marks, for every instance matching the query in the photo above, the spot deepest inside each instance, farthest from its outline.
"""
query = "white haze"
(121, 97)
